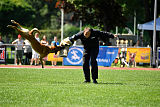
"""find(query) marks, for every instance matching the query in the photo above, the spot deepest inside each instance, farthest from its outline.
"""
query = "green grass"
(59, 88)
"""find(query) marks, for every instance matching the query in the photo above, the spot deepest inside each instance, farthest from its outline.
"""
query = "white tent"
(150, 25)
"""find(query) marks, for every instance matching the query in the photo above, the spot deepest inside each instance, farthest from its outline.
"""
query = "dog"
(43, 50)
(132, 58)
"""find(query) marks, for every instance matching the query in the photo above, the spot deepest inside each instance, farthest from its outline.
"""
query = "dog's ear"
(34, 30)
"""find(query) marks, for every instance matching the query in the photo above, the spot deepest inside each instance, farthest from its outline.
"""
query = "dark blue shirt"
(93, 40)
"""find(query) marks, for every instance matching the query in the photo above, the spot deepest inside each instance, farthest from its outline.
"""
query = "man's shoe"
(87, 81)
(95, 82)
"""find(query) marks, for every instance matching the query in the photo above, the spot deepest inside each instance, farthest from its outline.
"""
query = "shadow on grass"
(122, 84)
(57, 82)
(112, 83)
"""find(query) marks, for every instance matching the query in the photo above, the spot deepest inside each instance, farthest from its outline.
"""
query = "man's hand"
(115, 35)
(65, 41)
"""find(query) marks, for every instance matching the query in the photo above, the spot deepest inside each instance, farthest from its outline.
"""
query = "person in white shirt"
(19, 49)
(27, 52)
(35, 55)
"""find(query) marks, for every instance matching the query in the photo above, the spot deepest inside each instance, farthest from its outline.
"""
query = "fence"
(2, 54)
(7, 51)
(143, 54)
(107, 54)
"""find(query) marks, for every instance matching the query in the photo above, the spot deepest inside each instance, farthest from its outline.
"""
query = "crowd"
(23, 48)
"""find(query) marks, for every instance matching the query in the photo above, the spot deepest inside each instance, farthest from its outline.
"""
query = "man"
(35, 55)
(19, 49)
(90, 40)
(27, 52)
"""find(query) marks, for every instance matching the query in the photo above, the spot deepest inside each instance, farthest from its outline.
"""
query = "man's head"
(19, 36)
(55, 38)
(36, 35)
(87, 32)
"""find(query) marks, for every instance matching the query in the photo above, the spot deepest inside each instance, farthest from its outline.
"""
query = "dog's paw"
(9, 26)
(65, 41)
(13, 21)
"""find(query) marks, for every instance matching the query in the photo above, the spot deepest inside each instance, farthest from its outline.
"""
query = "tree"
(45, 12)
(111, 13)
(30, 13)
(18, 10)
(103, 13)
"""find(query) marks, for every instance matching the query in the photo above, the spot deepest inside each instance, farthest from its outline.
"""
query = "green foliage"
(17, 10)
(29, 13)
(70, 30)
(111, 13)
(60, 88)
(93, 27)
(105, 13)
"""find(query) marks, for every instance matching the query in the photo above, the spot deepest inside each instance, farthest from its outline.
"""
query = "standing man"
(90, 40)
(19, 49)
(27, 52)
(35, 55)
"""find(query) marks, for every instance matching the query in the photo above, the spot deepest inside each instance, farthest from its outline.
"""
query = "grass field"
(58, 88)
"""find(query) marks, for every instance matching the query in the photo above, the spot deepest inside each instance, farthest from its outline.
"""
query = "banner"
(74, 57)
(105, 57)
(2, 55)
(141, 54)
(53, 57)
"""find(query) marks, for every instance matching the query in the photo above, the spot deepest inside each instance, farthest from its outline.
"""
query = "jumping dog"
(43, 50)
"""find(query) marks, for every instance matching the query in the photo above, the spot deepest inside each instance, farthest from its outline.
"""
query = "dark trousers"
(27, 58)
(89, 57)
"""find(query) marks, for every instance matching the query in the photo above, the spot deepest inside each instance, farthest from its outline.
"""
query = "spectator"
(1, 41)
(137, 44)
(19, 49)
(27, 52)
(44, 42)
(53, 43)
(35, 55)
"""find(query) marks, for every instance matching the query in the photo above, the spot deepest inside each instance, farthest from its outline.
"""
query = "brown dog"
(37, 46)
(132, 57)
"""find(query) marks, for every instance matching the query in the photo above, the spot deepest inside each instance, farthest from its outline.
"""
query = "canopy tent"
(150, 25)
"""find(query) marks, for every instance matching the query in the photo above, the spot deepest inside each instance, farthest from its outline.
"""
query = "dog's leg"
(14, 27)
(23, 29)
(11, 26)
(41, 62)
(14, 22)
